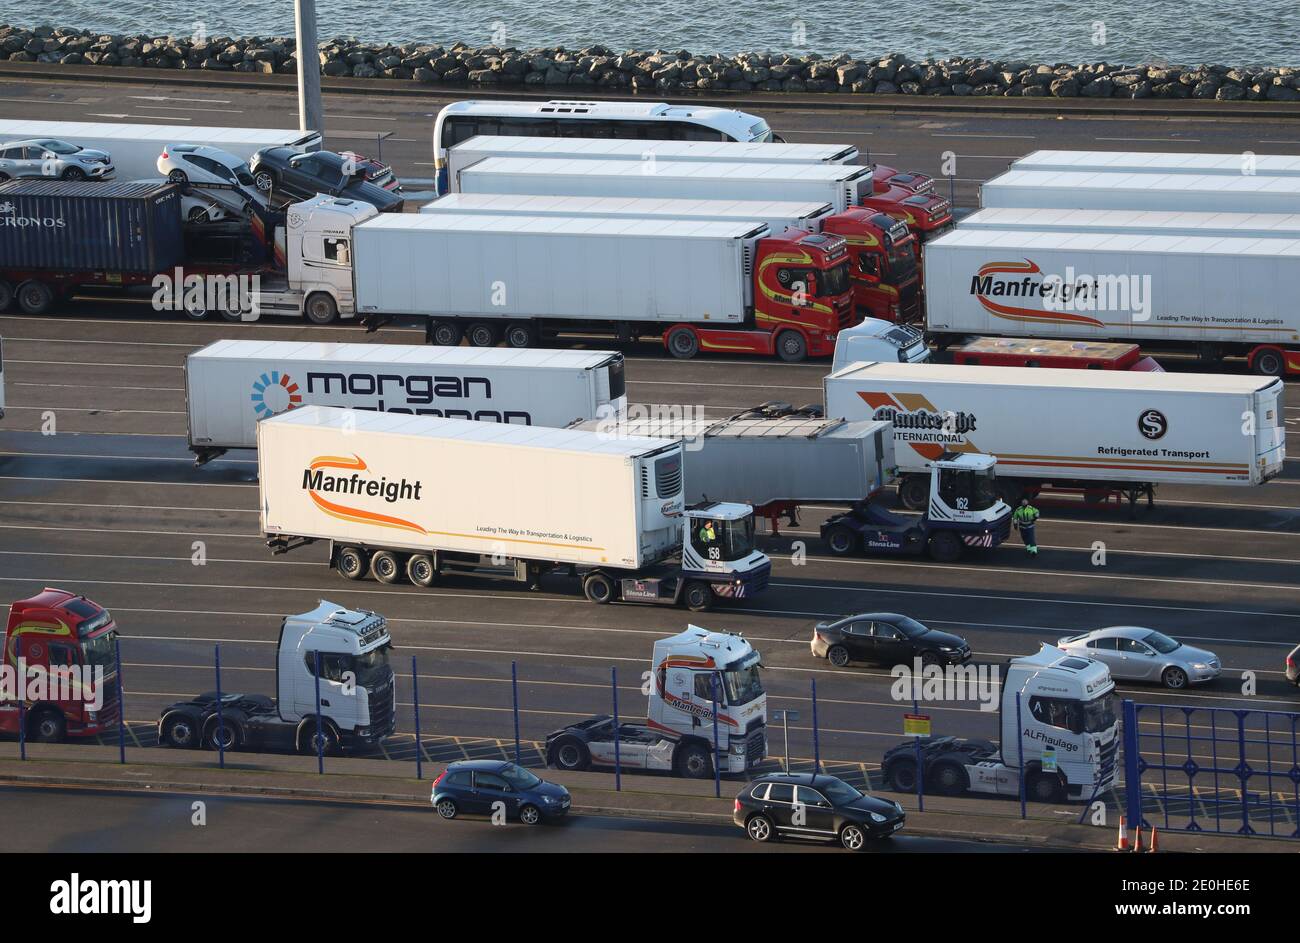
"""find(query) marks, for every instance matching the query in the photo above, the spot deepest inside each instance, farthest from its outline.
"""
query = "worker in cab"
(1025, 517)
(708, 535)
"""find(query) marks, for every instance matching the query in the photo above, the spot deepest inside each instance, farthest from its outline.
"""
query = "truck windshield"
(967, 489)
(834, 280)
(743, 683)
(1099, 715)
(902, 261)
(372, 667)
(99, 651)
(737, 538)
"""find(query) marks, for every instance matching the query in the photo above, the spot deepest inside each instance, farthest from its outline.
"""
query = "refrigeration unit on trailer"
(1094, 430)
(690, 673)
(1163, 162)
(230, 385)
(1138, 222)
(135, 147)
(841, 185)
(1058, 731)
(1099, 190)
(1221, 296)
(415, 497)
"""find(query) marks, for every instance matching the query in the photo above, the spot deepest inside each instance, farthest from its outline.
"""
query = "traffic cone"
(1122, 844)
(1155, 840)
(1137, 838)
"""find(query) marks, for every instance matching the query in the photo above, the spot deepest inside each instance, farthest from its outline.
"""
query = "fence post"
(415, 696)
(221, 722)
(22, 696)
(1020, 749)
(920, 765)
(817, 745)
(717, 766)
(514, 693)
(121, 703)
(320, 738)
(1132, 771)
(618, 758)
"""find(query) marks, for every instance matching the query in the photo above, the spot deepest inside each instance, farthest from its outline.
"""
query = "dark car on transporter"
(886, 638)
(814, 806)
(476, 786)
(290, 173)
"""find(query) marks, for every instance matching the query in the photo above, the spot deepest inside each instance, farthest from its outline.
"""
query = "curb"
(828, 101)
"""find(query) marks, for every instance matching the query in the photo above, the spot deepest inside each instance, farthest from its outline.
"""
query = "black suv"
(815, 806)
(290, 173)
(886, 638)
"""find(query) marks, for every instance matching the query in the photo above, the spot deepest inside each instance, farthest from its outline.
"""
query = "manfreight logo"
(318, 480)
(928, 430)
(274, 393)
(1060, 296)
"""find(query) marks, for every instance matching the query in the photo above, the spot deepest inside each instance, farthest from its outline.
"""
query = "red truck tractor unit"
(69, 686)
(910, 198)
(883, 266)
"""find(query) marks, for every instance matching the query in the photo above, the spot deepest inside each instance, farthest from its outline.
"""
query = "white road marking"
(973, 134)
(224, 111)
(176, 98)
(100, 114)
(1155, 140)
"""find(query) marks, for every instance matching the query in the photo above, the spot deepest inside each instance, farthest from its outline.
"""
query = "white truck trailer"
(1099, 431)
(1223, 296)
(416, 497)
(230, 385)
(135, 147)
(1163, 162)
(1139, 222)
(1174, 192)
(777, 215)
(1059, 733)
(841, 185)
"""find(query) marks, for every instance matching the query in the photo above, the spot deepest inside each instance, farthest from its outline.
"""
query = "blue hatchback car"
(476, 786)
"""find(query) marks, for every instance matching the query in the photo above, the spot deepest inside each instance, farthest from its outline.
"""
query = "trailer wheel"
(320, 308)
(6, 295)
(693, 762)
(35, 297)
(1269, 362)
(570, 753)
(914, 492)
(520, 334)
(841, 540)
(420, 570)
(948, 778)
(195, 309)
(386, 567)
(791, 347)
(598, 588)
(1046, 787)
(900, 775)
(48, 726)
(352, 563)
(482, 334)
(838, 656)
(698, 596)
(445, 334)
(178, 732)
(682, 343)
(945, 547)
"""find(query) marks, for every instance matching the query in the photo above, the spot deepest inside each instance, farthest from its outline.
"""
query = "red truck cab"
(882, 264)
(75, 637)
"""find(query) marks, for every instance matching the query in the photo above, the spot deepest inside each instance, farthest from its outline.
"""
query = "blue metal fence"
(1212, 769)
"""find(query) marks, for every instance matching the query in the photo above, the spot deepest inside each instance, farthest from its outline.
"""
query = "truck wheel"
(178, 732)
(698, 596)
(320, 308)
(48, 726)
(948, 779)
(420, 570)
(352, 563)
(791, 347)
(1269, 362)
(838, 656)
(529, 814)
(900, 776)
(227, 734)
(386, 567)
(482, 334)
(570, 753)
(693, 762)
(682, 343)
(520, 334)
(307, 737)
(841, 540)
(6, 295)
(1045, 787)
(914, 492)
(598, 588)
(853, 837)
(35, 297)
(759, 828)
(445, 334)
(945, 547)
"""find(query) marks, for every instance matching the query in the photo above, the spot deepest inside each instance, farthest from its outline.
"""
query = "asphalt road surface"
(111, 506)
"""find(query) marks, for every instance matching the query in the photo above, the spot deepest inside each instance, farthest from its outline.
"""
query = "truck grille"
(1108, 753)
(383, 708)
(755, 747)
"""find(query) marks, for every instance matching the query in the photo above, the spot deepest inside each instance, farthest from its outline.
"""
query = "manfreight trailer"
(1114, 190)
(1098, 431)
(1218, 295)
(420, 497)
(232, 384)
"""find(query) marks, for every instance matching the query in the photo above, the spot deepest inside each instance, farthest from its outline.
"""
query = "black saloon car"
(292, 174)
(814, 806)
(886, 638)
(476, 786)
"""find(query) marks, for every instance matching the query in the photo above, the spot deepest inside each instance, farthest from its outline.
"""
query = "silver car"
(47, 157)
(1133, 653)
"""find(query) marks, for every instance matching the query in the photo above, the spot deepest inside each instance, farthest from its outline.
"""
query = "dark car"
(886, 638)
(475, 786)
(375, 171)
(814, 806)
(291, 173)
(1293, 666)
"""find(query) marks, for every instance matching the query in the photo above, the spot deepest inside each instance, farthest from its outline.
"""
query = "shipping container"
(231, 385)
(1094, 190)
(841, 185)
(67, 226)
(1163, 162)
(1138, 222)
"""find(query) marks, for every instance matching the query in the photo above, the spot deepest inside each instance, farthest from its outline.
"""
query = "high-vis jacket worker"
(1025, 517)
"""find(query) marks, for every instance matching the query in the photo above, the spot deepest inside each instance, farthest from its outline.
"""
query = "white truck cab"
(718, 546)
(316, 247)
(879, 341)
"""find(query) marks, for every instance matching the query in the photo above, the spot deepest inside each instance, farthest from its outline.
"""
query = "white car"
(202, 165)
(48, 157)
(1133, 653)
(198, 206)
